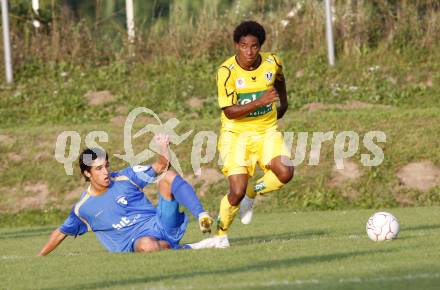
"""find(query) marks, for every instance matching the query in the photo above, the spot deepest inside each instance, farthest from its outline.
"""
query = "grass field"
(290, 250)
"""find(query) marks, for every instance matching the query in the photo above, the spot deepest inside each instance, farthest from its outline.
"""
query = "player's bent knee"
(283, 168)
(165, 184)
(237, 188)
(171, 174)
(286, 174)
(235, 197)
(169, 177)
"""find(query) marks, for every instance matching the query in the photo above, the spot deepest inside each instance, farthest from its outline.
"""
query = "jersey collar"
(261, 61)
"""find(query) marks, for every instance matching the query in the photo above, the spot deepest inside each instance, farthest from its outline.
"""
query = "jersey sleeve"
(279, 75)
(141, 175)
(73, 226)
(225, 88)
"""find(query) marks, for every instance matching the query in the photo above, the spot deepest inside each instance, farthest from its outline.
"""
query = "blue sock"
(184, 194)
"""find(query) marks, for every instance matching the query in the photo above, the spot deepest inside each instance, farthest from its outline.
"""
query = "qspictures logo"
(346, 144)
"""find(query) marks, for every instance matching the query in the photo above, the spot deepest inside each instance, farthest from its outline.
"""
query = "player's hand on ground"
(270, 96)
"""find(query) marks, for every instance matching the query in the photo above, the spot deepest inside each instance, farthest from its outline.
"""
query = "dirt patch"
(350, 172)
(40, 195)
(315, 106)
(422, 175)
(123, 110)
(47, 142)
(429, 82)
(15, 157)
(140, 121)
(208, 177)
(76, 193)
(41, 156)
(353, 105)
(195, 103)
(8, 199)
(118, 120)
(99, 97)
(167, 115)
(7, 140)
(3, 167)
(404, 200)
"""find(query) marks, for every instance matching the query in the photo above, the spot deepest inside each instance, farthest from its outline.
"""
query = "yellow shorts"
(241, 152)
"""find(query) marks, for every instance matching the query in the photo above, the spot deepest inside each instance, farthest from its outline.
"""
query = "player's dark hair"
(87, 157)
(250, 28)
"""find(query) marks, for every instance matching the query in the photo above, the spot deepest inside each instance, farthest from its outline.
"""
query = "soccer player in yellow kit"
(249, 84)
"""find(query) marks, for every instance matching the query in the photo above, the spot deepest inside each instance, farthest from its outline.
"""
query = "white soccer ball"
(382, 226)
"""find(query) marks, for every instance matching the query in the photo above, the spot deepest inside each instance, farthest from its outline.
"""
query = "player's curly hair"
(250, 28)
(87, 157)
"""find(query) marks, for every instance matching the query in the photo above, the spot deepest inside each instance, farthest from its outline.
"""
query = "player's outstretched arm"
(163, 161)
(54, 240)
(238, 111)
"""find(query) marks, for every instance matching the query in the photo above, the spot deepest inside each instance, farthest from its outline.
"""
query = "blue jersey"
(122, 214)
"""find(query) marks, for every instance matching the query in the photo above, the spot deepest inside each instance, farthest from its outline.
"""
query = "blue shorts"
(168, 225)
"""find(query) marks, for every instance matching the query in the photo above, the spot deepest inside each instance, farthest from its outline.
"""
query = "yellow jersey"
(236, 85)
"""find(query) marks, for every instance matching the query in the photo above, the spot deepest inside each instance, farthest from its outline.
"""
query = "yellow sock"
(269, 182)
(250, 192)
(226, 216)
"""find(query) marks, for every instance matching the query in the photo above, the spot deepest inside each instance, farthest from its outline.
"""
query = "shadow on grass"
(414, 231)
(279, 237)
(26, 233)
(421, 227)
(269, 264)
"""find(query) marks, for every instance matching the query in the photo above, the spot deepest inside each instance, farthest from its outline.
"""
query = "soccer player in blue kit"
(117, 211)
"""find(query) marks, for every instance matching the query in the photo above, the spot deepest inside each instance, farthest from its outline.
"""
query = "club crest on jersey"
(240, 84)
(121, 200)
(268, 76)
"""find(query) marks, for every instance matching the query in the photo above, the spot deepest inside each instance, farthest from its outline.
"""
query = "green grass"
(294, 250)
